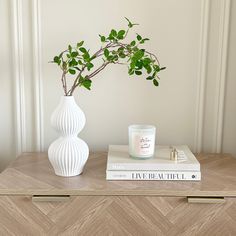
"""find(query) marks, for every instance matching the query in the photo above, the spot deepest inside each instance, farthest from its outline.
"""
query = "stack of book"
(120, 166)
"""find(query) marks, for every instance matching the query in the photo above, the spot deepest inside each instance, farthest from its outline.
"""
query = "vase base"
(69, 175)
(68, 156)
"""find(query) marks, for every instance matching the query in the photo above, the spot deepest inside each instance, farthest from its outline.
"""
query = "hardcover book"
(153, 175)
(119, 159)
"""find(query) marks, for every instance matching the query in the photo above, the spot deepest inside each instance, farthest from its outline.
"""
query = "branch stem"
(98, 70)
(63, 80)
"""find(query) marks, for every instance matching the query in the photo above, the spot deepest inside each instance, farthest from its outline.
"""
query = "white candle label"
(144, 145)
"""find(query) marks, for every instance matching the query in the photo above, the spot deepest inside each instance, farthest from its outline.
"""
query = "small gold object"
(173, 154)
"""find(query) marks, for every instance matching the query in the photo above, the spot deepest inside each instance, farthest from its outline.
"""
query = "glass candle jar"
(142, 141)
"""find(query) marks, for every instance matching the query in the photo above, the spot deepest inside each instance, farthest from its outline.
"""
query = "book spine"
(153, 167)
(154, 175)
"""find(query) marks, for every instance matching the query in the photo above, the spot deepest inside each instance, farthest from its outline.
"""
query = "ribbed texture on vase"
(68, 118)
(68, 156)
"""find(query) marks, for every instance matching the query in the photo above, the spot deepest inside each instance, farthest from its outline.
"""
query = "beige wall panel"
(229, 134)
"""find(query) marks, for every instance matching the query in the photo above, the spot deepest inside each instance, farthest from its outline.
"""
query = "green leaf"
(72, 71)
(149, 78)
(80, 62)
(81, 79)
(110, 37)
(113, 33)
(121, 34)
(73, 62)
(139, 37)
(106, 52)
(132, 65)
(86, 57)
(130, 25)
(115, 58)
(89, 66)
(83, 50)
(131, 71)
(74, 54)
(134, 49)
(80, 44)
(148, 68)
(139, 54)
(110, 58)
(61, 54)
(87, 83)
(102, 38)
(139, 64)
(57, 60)
(155, 82)
(147, 61)
(137, 72)
(70, 48)
(156, 68)
(122, 55)
(132, 43)
(143, 40)
(121, 49)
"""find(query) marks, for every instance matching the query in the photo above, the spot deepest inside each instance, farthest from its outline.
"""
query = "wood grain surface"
(115, 215)
(134, 208)
(32, 174)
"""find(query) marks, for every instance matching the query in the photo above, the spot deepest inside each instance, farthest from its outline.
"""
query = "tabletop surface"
(32, 174)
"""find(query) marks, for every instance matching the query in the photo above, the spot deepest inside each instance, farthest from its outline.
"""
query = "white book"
(153, 175)
(119, 159)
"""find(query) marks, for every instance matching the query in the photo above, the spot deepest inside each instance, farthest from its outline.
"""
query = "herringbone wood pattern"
(100, 207)
(116, 215)
(32, 174)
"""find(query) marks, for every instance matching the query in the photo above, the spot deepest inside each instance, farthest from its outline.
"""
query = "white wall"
(229, 134)
(117, 100)
(189, 37)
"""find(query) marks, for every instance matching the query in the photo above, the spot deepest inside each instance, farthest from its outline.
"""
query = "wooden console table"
(34, 201)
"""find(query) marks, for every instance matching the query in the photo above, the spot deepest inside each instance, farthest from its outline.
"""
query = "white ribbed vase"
(68, 154)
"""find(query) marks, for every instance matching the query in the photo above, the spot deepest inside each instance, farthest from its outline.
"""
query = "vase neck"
(68, 100)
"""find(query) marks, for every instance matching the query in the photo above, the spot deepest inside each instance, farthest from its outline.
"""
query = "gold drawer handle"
(218, 200)
(50, 198)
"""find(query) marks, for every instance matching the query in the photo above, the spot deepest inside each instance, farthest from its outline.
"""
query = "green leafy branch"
(79, 62)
